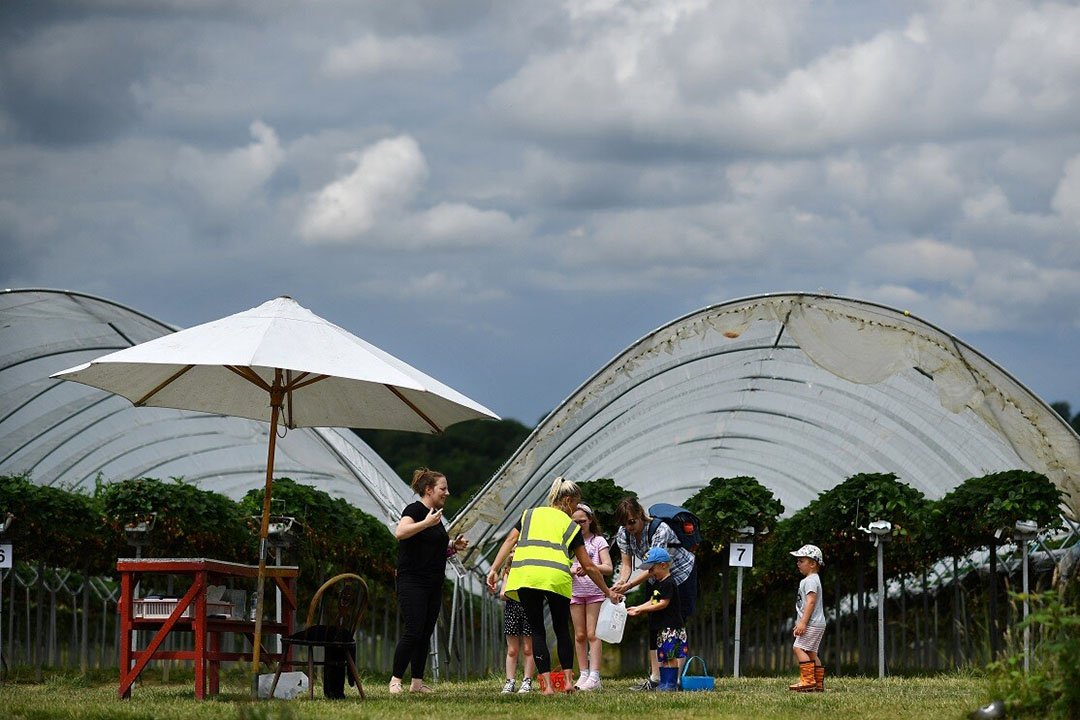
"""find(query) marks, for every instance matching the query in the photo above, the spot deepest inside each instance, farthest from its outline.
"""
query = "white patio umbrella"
(283, 364)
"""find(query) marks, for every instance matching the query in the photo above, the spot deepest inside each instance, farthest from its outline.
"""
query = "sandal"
(422, 689)
(395, 688)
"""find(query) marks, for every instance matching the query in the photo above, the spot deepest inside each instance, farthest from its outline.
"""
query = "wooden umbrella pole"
(277, 394)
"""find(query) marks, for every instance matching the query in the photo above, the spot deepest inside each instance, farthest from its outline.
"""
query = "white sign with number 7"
(741, 554)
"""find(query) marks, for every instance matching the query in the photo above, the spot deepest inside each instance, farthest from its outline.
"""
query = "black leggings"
(533, 602)
(420, 604)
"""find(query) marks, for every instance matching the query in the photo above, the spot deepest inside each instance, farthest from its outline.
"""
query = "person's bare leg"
(581, 638)
(596, 645)
(530, 664)
(511, 655)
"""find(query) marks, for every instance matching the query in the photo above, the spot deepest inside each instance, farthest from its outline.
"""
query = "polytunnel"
(69, 434)
(797, 390)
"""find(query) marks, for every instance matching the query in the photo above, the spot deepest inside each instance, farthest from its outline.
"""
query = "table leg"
(215, 648)
(198, 626)
(126, 623)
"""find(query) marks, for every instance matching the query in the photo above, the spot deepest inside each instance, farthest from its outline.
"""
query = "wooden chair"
(342, 608)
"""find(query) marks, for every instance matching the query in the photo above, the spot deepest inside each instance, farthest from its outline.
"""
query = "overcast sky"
(508, 194)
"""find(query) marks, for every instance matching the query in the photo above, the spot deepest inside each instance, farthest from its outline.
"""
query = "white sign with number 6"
(5, 556)
(741, 554)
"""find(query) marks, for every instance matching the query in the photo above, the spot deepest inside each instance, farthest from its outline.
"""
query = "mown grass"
(947, 696)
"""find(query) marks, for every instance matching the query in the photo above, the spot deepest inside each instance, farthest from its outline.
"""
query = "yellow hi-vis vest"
(541, 558)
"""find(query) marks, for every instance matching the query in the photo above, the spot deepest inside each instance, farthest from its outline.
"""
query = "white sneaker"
(508, 686)
(526, 686)
(591, 683)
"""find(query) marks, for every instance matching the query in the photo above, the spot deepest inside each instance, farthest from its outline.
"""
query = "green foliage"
(833, 519)
(724, 506)
(982, 509)
(602, 495)
(190, 522)
(1052, 689)
(727, 504)
(335, 536)
(55, 526)
(469, 453)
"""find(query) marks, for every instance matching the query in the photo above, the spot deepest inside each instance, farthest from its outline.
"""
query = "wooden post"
(277, 396)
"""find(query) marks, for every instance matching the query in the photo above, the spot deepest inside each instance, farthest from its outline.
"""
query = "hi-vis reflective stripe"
(569, 534)
(527, 522)
(543, 563)
(541, 543)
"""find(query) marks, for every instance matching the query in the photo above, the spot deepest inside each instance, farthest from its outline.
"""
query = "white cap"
(810, 551)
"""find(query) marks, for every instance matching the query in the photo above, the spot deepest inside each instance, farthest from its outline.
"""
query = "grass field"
(947, 696)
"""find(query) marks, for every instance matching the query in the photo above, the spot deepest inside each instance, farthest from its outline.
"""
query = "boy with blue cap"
(665, 617)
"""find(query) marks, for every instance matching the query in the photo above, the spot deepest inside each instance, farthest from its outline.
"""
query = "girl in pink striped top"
(586, 599)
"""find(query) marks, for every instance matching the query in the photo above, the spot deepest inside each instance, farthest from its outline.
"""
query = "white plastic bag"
(611, 622)
(290, 684)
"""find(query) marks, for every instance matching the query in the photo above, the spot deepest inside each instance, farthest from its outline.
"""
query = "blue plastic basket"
(696, 682)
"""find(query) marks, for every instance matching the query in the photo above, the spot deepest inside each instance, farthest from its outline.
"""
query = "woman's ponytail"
(562, 492)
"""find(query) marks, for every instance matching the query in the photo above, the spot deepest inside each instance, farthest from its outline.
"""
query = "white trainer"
(508, 686)
(526, 686)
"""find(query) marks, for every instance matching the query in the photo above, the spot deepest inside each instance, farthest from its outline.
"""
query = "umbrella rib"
(297, 385)
(249, 375)
(415, 409)
(141, 402)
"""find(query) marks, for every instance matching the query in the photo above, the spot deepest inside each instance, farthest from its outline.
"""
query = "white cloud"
(1036, 67)
(224, 180)
(385, 177)
(748, 76)
(922, 259)
(371, 54)
(460, 225)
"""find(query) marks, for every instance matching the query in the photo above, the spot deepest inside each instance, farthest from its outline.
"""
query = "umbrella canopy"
(331, 377)
(283, 364)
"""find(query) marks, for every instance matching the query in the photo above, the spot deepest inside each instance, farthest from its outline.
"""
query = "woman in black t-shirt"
(423, 546)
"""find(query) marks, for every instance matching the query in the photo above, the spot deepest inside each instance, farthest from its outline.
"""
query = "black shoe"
(647, 685)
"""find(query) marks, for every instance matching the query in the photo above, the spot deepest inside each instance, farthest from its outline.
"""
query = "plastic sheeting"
(66, 434)
(800, 391)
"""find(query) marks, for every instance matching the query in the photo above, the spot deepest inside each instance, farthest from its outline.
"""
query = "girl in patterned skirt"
(518, 639)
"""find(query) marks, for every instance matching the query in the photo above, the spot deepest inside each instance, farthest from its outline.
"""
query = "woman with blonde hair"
(546, 538)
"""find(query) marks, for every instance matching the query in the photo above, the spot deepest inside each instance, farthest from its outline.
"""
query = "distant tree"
(470, 453)
(1064, 410)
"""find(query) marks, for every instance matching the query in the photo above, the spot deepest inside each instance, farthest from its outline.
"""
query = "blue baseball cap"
(654, 556)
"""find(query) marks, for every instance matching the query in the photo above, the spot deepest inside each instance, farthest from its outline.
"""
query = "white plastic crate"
(162, 608)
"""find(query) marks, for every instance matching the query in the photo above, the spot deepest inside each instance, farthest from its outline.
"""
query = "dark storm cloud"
(518, 176)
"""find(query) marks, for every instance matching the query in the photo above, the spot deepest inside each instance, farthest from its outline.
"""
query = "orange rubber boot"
(819, 678)
(806, 678)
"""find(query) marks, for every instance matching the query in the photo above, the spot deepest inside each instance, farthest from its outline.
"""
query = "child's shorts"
(810, 640)
(514, 620)
(586, 599)
(671, 644)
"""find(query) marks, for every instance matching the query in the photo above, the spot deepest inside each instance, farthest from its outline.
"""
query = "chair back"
(344, 599)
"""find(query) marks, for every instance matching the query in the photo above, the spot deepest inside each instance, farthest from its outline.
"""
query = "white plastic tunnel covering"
(66, 433)
(800, 391)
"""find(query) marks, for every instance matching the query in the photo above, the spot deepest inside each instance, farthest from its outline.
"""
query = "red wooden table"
(207, 654)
